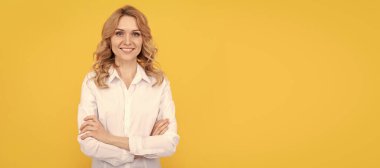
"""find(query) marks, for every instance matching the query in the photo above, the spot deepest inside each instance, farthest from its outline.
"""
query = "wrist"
(121, 142)
(109, 139)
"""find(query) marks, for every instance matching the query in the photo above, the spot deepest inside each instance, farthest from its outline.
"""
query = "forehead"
(127, 23)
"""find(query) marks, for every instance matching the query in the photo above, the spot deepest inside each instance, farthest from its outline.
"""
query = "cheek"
(114, 49)
(139, 43)
(114, 45)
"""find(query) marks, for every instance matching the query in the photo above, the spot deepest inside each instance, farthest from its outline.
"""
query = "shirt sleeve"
(161, 145)
(90, 146)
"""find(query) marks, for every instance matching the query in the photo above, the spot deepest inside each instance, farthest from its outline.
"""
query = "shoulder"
(90, 75)
(165, 81)
(153, 81)
(89, 79)
(165, 85)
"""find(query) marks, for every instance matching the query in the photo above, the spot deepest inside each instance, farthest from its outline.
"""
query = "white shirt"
(130, 113)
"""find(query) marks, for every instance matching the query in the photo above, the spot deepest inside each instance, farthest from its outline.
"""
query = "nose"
(127, 39)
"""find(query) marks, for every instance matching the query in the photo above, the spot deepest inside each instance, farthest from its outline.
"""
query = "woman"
(126, 113)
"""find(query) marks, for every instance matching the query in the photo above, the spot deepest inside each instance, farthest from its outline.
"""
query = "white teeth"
(127, 49)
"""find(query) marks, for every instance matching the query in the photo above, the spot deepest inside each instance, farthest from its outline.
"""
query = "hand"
(160, 127)
(93, 128)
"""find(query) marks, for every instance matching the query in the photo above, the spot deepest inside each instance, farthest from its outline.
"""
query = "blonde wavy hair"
(105, 58)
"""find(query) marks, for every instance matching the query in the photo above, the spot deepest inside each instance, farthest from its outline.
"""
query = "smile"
(127, 50)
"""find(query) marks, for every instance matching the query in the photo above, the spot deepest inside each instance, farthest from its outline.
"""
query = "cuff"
(135, 144)
(128, 157)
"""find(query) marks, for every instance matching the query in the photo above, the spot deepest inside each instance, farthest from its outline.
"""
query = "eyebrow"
(123, 29)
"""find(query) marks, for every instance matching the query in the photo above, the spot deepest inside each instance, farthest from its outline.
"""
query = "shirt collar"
(140, 74)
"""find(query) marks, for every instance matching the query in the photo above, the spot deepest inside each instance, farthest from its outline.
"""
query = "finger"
(163, 131)
(153, 133)
(86, 135)
(90, 117)
(88, 128)
(156, 126)
(85, 124)
(160, 124)
(160, 129)
(155, 130)
(163, 127)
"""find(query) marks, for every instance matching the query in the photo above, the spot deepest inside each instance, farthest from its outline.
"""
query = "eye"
(136, 34)
(119, 33)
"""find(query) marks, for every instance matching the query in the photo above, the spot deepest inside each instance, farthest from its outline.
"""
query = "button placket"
(127, 107)
(126, 99)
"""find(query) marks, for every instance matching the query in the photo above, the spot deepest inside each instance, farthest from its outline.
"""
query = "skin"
(126, 44)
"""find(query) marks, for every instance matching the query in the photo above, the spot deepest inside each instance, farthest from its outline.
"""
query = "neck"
(126, 70)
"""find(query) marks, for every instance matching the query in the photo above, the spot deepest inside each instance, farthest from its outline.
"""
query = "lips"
(127, 50)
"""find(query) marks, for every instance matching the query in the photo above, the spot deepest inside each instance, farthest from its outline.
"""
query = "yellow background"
(263, 84)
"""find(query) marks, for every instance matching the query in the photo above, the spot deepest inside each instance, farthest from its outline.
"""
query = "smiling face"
(126, 43)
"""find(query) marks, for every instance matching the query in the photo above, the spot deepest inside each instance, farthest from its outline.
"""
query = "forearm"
(106, 152)
(154, 146)
(121, 142)
(150, 146)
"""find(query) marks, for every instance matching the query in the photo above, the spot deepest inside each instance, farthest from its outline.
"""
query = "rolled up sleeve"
(161, 145)
(90, 146)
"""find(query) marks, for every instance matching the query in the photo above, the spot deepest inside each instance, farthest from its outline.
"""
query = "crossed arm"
(92, 127)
